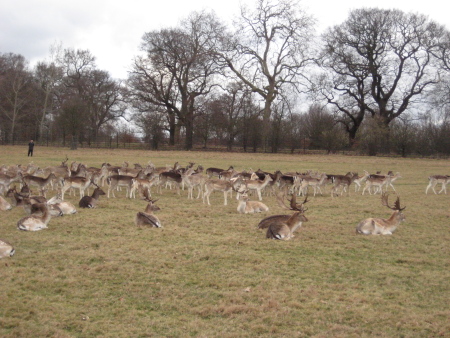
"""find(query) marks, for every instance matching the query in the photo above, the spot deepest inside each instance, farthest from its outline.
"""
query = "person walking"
(30, 148)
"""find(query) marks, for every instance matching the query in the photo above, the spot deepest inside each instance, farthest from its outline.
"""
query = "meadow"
(209, 272)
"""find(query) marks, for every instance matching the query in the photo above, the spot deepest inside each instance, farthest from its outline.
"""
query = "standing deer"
(147, 218)
(436, 179)
(381, 226)
(282, 228)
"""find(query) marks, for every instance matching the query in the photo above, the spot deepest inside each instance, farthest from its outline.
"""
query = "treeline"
(377, 83)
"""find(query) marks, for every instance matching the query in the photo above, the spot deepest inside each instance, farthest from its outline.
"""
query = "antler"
(293, 202)
(384, 201)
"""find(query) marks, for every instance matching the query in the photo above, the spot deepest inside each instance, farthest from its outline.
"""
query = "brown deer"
(381, 226)
(6, 249)
(246, 206)
(282, 228)
(36, 221)
(4, 204)
(147, 218)
(91, 201)
(435, 180)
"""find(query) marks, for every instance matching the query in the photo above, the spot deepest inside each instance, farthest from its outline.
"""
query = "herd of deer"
(77, 176)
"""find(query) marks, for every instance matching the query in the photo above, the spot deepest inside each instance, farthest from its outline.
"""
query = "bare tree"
(16, 90)
(382, 62)
(269, 50)
(179, 67)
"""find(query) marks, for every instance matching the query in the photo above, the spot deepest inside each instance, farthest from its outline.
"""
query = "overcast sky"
(111, 30)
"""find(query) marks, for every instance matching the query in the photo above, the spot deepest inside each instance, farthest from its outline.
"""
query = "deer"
(281, 228)
(6, 249)
(220, 185)
(147, 218)
(359, 180)
(436, 179)
(4, 204)
(258, 185)
(39, 182)
(210, 172)
(115, 181)
(77, 182)
(91, 201)
(343, 181)
(6, 180)
(381, 226)
(60, 171)
(143, 183)
(245, 206)
(36, 221)
(314, 182)
(66, 208)
(192, 181)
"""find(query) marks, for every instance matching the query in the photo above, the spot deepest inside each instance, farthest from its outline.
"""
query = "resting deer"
(249, 207)
(36, 221)
(282, 228)
(436, 179)
(381, 226)
(91, 201)
(66, 208)
(147, 218)
(6, 249)
(4, 204)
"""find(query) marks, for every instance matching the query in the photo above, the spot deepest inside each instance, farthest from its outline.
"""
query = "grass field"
(210, 273)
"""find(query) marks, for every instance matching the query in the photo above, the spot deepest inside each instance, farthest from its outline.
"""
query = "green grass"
(210, 273)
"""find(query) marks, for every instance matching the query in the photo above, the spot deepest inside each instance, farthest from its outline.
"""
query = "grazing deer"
(147, 218)
(91, 201)
(284, 229)
(381, 226)
(6, 249)
(245, 206)
(4, 204)
(37, 181)
(36, 221)
(436, 179)
(210, 172)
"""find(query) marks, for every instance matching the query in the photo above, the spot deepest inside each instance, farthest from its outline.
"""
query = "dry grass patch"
(210, 272)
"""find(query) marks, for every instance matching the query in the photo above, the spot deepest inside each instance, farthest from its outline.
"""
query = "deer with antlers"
(381, 226)
(147, 218)
(283, 226)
